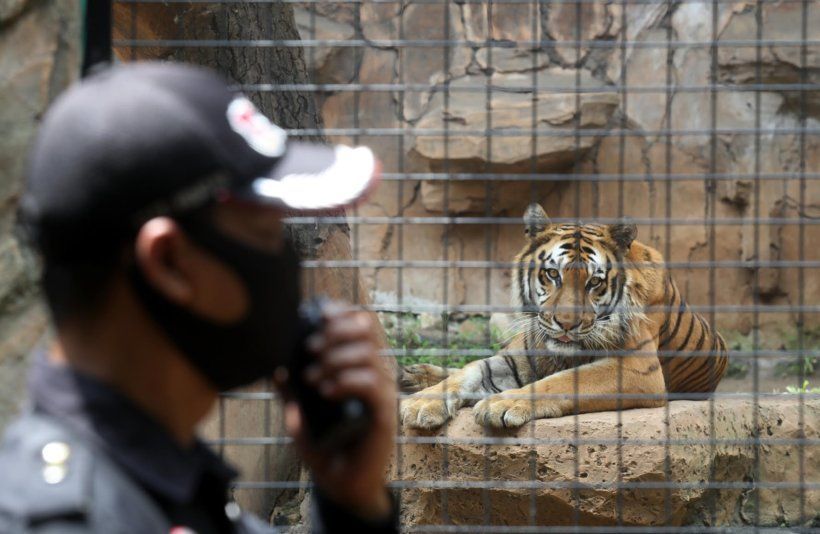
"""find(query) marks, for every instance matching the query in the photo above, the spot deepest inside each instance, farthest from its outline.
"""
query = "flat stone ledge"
(480, 475)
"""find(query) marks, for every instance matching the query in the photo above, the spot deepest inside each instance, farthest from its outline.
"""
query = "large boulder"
(469, 114)
(665, 470)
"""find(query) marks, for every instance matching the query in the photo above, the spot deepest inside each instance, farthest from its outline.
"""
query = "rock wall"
(544, 472)
(39, 56)
(621, 104)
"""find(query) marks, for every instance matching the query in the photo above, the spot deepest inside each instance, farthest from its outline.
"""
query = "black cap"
(145, 139)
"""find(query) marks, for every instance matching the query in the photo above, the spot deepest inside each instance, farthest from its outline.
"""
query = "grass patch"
(430, 341)
(787, 340)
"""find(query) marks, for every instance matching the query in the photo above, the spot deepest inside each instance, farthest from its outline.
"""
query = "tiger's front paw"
(425, 412)
(421, 376)
(500, 412)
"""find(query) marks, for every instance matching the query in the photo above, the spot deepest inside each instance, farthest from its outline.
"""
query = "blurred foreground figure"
(155, 196)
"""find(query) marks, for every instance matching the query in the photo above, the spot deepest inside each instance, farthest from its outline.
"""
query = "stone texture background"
(39, 56)
(499, 53)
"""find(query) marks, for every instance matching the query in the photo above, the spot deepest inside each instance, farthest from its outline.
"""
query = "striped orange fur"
(603, 326)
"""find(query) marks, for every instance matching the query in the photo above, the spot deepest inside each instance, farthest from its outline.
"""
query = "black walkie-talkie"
(331, 425)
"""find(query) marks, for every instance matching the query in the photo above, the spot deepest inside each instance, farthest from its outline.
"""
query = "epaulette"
(45, 473)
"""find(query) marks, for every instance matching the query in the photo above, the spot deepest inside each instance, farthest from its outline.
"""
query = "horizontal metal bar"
(483, 264)
(508, 394)
(536, 485)
(524, 441)
(556, 484)
(249, 442)
(482, 88)
(444, 353)
(455, 220)
(568, 132)
(269, 396)
(450, 43)
(490, 176)
(580, 442)
(250, 395)
(483, 308)
(543, 132)
(583, 529)
(432, 2)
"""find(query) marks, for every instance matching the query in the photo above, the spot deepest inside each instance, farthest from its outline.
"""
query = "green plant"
(802, 389)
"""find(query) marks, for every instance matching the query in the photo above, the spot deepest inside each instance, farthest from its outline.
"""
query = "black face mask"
(235, 354)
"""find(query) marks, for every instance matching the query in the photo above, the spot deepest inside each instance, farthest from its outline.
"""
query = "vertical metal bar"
(576, 384)
(710, 198)
(400, 232)
(488, 191)
(536, 37)
(667, 253)
(97, 30)
(221, 448)
(357, 62)
(133, 50)
(801, 251)
(623, 82)
(445, 242)
(267, 431)
(756, 284)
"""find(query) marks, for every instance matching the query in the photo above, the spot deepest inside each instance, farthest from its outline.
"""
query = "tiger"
(602, 327)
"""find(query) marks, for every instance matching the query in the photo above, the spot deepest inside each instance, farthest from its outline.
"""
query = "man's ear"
(623, 234)
(535, 220)
(159, 248)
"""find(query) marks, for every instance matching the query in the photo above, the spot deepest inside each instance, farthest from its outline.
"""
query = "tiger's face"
(571, 283)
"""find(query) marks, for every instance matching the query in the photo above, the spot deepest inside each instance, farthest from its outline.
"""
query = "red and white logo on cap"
(260, 133)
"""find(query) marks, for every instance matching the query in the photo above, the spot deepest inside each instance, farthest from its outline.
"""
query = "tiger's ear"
(535, 220)
(623, 234)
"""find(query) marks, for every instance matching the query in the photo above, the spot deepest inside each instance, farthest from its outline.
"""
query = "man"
(155, 197)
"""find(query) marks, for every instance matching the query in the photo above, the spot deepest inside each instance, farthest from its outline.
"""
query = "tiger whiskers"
(525, 323)
(606, 335)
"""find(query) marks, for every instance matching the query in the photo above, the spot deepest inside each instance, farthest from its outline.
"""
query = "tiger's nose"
(572, 320)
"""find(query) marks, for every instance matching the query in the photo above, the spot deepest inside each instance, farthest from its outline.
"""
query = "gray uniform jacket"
(53, 482)
(84, 459)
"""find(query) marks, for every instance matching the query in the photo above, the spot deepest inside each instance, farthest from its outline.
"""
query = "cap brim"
(313, 177)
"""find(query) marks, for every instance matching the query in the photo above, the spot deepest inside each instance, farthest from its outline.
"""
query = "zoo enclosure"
(697, 119)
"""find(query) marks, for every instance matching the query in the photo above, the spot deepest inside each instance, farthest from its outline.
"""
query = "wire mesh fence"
(672, 147)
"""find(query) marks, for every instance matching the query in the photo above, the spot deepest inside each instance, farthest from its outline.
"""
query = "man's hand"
(348, 365)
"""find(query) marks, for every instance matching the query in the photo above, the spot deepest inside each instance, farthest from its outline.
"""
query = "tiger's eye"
(595, 282)
(553, 273)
